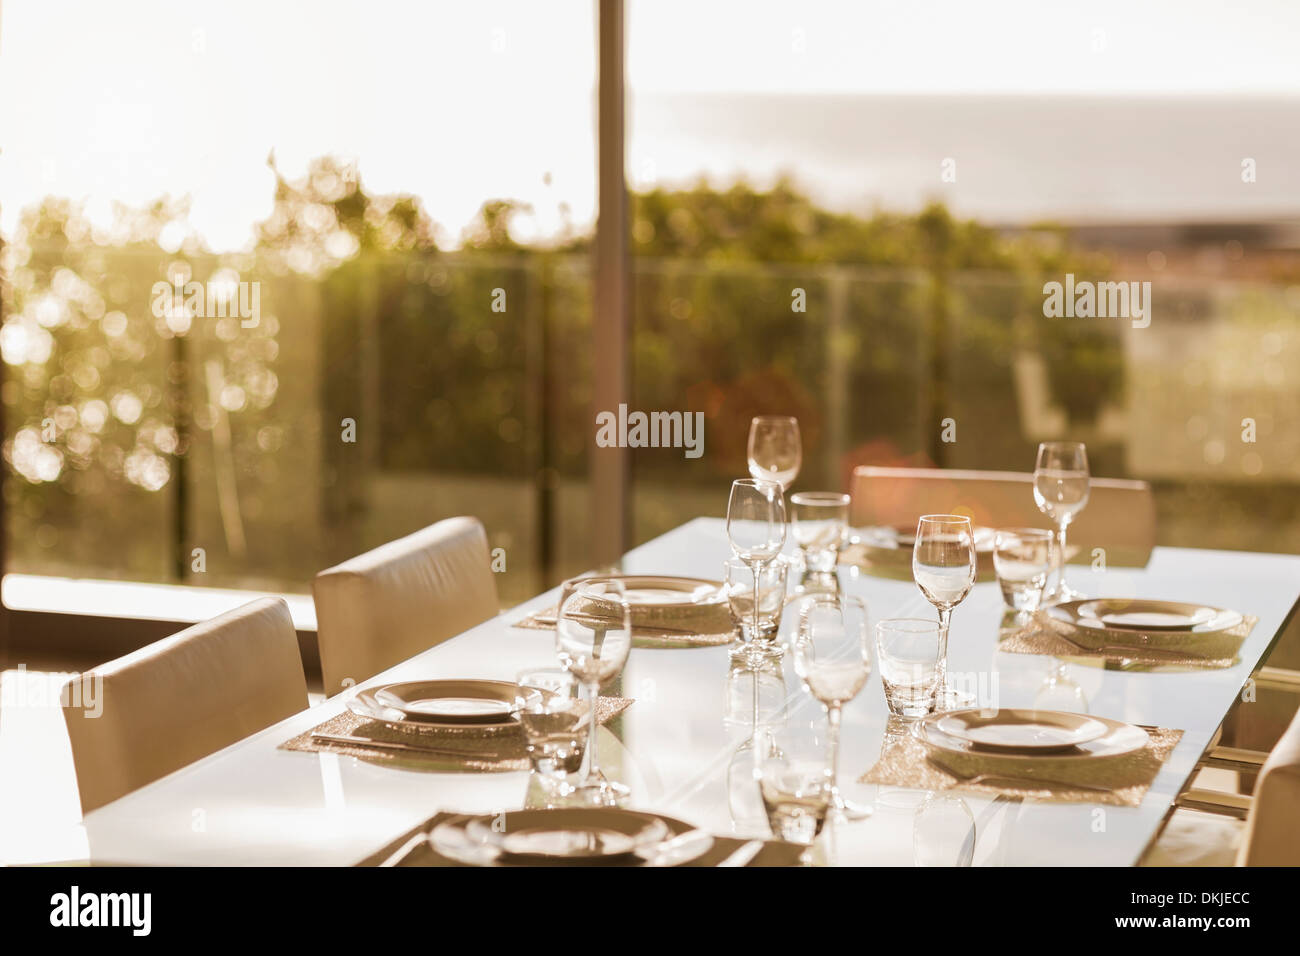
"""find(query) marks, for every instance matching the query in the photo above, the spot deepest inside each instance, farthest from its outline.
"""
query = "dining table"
(677, 746)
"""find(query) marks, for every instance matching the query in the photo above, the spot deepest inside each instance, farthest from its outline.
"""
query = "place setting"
(668, 611)
(1120, 632)
(538, 722)
(1044, 755)
(575, 836)
(1028, 753)
(886, 551)
(447, 725)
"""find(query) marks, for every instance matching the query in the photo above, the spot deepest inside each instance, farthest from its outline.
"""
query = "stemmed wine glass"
(832, 656)
(593, 635)
(1061, 491)
(756, 527)
(943, 566)
(775, 452)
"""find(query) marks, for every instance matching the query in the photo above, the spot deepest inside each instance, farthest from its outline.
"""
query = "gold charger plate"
(1118, 740)
(567, 833)
(1218, 636)
(628, 837)
(1020, 731)
(668, 600)
(1146, 616)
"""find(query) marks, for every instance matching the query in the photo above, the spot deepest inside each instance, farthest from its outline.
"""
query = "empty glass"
(775, 450)
(756, 528)
(593, 635)
(943, 566)
(554, 721)
(909, 650)
(832, 656)
(1061, 482)
(796, 785)
(757, 631)
(1022, 558)
(943, 831)
(819, 520)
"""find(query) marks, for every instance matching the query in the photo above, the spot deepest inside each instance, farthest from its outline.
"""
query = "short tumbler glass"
(909, 651)
(554, 720)
(1022, 558)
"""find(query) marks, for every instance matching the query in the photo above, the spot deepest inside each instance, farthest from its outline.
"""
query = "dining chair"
(1120, 516)
(139, 717)
(1208, 828)
(403, 597)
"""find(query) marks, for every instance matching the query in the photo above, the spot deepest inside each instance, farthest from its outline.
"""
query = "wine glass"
(775, 452)
(1061, 491)
(832, 656)
(756, 527)
(943, 566)
(740, 585)
(593, 635)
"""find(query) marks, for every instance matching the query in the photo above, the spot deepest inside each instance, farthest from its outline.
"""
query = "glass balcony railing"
(196, 444)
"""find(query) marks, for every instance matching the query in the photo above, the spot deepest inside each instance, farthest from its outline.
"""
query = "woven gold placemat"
(471, 748)
(715, 631)
(1046, 635)
(905, 762)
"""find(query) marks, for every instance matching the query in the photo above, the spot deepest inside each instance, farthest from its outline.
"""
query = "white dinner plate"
(450, 701)
(666, 591)
(366, 704)
(1119, 738)
(568, 833)
(1134, 614)
(580, 835)
(1021, 730)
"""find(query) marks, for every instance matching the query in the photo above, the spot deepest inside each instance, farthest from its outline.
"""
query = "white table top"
(253, 804)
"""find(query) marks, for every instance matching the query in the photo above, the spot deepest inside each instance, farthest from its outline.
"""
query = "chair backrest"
(1120, 515)
(386, 605)
(1272, 836)
(140, 717)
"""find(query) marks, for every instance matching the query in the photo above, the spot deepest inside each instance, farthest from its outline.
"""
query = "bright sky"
(460, 102)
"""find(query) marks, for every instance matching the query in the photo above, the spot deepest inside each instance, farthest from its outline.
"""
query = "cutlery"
(406, 848)
(664, 853)
(1129, 653)
(548, 620)
(743, 855)
(353, 741)
(993, 779)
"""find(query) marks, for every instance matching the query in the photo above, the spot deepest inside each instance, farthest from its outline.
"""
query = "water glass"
(554, 720)
(819, 520)
(909, 650)
(1022, 558)
(741, 583)
(795, 783)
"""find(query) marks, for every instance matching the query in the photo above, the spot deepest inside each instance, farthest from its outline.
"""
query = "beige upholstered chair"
(403, 597)
(1271, 833)
(1120, 516)
(157, 709)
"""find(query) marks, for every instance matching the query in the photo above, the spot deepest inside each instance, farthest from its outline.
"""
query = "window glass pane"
(284, 282)
(849, 212)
